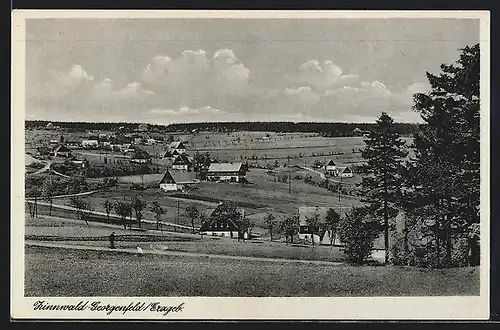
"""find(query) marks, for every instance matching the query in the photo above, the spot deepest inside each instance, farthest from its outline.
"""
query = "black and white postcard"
(247, 165)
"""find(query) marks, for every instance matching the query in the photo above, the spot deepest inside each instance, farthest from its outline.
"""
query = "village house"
(174, 180)
(140, 156)
(321, 234)
(222, 226)
(171, 155)
(42, 151)
(178, 146)
(231, 172)
(344, 172)
(72, 144)
(90, 144)
(331, 167)
(61, 151)
(150, 142)
(83, 163)
(182, 162)
(324, 236)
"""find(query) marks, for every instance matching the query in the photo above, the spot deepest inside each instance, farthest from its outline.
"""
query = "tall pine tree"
(444, 176)
(381, 185)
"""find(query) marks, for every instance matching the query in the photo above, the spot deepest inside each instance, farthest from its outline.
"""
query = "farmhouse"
(89, 144)
(42, 151)
(331, 167)
(83, 163)
(221, 226)
(344, 172)
(61, 151)
(171, 154)
(49, 126)
(321, 234)
(73, 144)
(174, 180)
(140, 156)
(178, 146)
(182, 162)
(232, 172)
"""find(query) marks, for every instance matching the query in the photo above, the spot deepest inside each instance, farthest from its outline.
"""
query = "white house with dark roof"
(223, 226)
(330, 166)
(230, 172)
(174, 180)
(344, 172)
(320, 234)
(182, 162)
(88, 144)
(61, 151)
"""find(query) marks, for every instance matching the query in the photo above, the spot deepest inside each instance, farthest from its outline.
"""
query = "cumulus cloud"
(369, 99)
(61, 84)
(320, 76)
(194, 75)
(132, 93)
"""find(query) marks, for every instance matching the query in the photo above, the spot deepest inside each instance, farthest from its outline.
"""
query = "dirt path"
(178, 253)
(314, 171)
(30, 199)
(43, 169)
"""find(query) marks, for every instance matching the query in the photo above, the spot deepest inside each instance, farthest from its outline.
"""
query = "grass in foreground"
(58, 272)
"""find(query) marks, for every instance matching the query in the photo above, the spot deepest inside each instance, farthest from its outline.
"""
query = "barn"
(174, 180)
(222, 226)
(230, 172)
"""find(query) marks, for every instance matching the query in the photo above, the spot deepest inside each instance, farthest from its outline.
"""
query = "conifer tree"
(444, 176)
(381, 185)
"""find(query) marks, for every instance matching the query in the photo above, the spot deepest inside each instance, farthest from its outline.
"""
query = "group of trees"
(437, 188)
(136, 205)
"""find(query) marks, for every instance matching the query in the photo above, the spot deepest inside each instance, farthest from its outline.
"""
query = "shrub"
(358, 234)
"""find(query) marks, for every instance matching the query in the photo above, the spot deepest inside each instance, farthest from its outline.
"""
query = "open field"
(258, 148)
(95, 273)
(263, 195)
(68, 231)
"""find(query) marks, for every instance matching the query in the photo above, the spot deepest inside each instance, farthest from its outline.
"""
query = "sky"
(164, 71)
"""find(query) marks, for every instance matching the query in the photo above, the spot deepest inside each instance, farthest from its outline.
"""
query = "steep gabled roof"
(167, 153)
(220, 223)
(140, 154)
(60, 148)
(178, 177)
(182, 160)
(176, 145)
(343, 169)
(225, 167)
(331, 163)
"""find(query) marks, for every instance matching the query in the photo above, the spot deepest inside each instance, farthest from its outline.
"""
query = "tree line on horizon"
(324, 129)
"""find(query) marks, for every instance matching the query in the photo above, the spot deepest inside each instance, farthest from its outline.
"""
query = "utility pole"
(290, 184)
(340, 186)
(178, 212)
